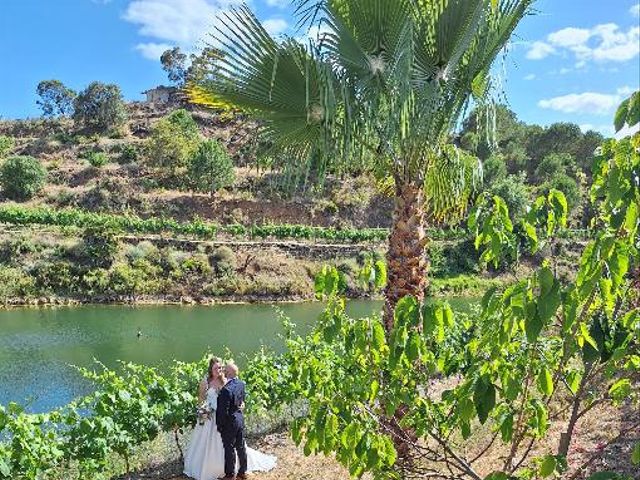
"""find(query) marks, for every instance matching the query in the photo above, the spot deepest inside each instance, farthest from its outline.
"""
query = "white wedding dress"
(204, 459)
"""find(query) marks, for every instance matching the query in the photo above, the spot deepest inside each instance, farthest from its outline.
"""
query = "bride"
(204, 459)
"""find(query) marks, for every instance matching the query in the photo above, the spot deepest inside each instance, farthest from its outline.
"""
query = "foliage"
(100, 246)
(224, 261)
(97, 159)
(6, 145)
(55, 98)
(495, 169)
(628, 112)
(128, 154)
(535, 343)
(173, 142)
(100, 108)
(174, 63)
(552, 165)
(22, 177)
(210, 168)
(513, 190)
(567, 185)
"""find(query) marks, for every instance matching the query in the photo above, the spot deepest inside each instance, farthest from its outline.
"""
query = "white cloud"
(569, 37)
(176, 22)
(531, 76)
(635, 10)
(540, 50)
(587, 103)
(602, 43)
(278, 3)
(151, 50)
(275, 26)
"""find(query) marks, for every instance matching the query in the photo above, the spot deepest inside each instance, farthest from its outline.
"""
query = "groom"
(230, 423)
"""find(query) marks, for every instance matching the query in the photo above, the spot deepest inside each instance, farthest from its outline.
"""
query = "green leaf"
(545, 382)
(484, 398)
(547, 466)
(497, 476)
(635, 454)
(620, 390)
(621, 115)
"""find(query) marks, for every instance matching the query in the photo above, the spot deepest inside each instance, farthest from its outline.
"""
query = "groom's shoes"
(228, 477)
(242, 476)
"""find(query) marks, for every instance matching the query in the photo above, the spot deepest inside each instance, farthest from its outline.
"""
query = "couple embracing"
(217, 449)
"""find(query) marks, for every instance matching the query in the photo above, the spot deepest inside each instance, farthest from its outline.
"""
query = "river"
(38, 347)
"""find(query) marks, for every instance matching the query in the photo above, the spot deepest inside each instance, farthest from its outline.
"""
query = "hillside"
(113, 175)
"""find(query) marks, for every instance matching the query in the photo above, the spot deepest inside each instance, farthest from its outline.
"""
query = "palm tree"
(383, 86)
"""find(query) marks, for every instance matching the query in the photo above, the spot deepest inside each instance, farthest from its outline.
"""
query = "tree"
(513, 190)
(203, 65)
(495, 169)
(55, 98)
(100, 107)
(586, 151)
(22, 177)
(560, 137)
(211, 168)
(552, 165)
(387, 82)
(174, 62)
(174, 139)
(565, 184)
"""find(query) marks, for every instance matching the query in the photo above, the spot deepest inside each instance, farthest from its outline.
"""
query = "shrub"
(97, 159)
(6, 145)
(14, 283)
(552, 165)
(100, 246)
(128, 154)
(566, 185)
(514, 192)
(22, 177)
(211, 168)
(224, 261)
(495, 169)
(174, 139)
(100, 108)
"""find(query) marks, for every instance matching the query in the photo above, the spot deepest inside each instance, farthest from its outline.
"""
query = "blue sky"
(575, 60)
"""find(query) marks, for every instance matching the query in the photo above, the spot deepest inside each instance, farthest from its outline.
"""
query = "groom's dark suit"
(230, 423)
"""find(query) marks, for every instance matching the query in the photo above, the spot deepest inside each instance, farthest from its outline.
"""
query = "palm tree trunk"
(407, 262)
(407, 267)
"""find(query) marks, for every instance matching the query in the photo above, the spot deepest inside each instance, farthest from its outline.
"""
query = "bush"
(224, 261)
(211, 168)
(552, 165)
(97, 159)
(174, 140)
(566, 185)
(22, 177)
(6, 145)
(100, 246)
(128, 154)
(514, 192)
(100, 108)
(495, 169)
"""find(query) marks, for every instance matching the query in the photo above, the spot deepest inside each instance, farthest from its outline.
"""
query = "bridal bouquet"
(203, 413)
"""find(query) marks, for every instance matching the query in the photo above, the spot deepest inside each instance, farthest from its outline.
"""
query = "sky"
(574, 60)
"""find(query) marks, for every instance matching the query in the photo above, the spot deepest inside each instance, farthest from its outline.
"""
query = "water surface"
(39, 346)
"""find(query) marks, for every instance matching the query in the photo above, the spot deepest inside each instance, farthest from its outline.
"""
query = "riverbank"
(59, 267)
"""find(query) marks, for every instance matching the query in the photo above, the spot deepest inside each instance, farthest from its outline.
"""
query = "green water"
(39, 346)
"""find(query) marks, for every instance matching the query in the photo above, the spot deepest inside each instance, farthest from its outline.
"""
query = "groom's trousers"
(234, 444)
